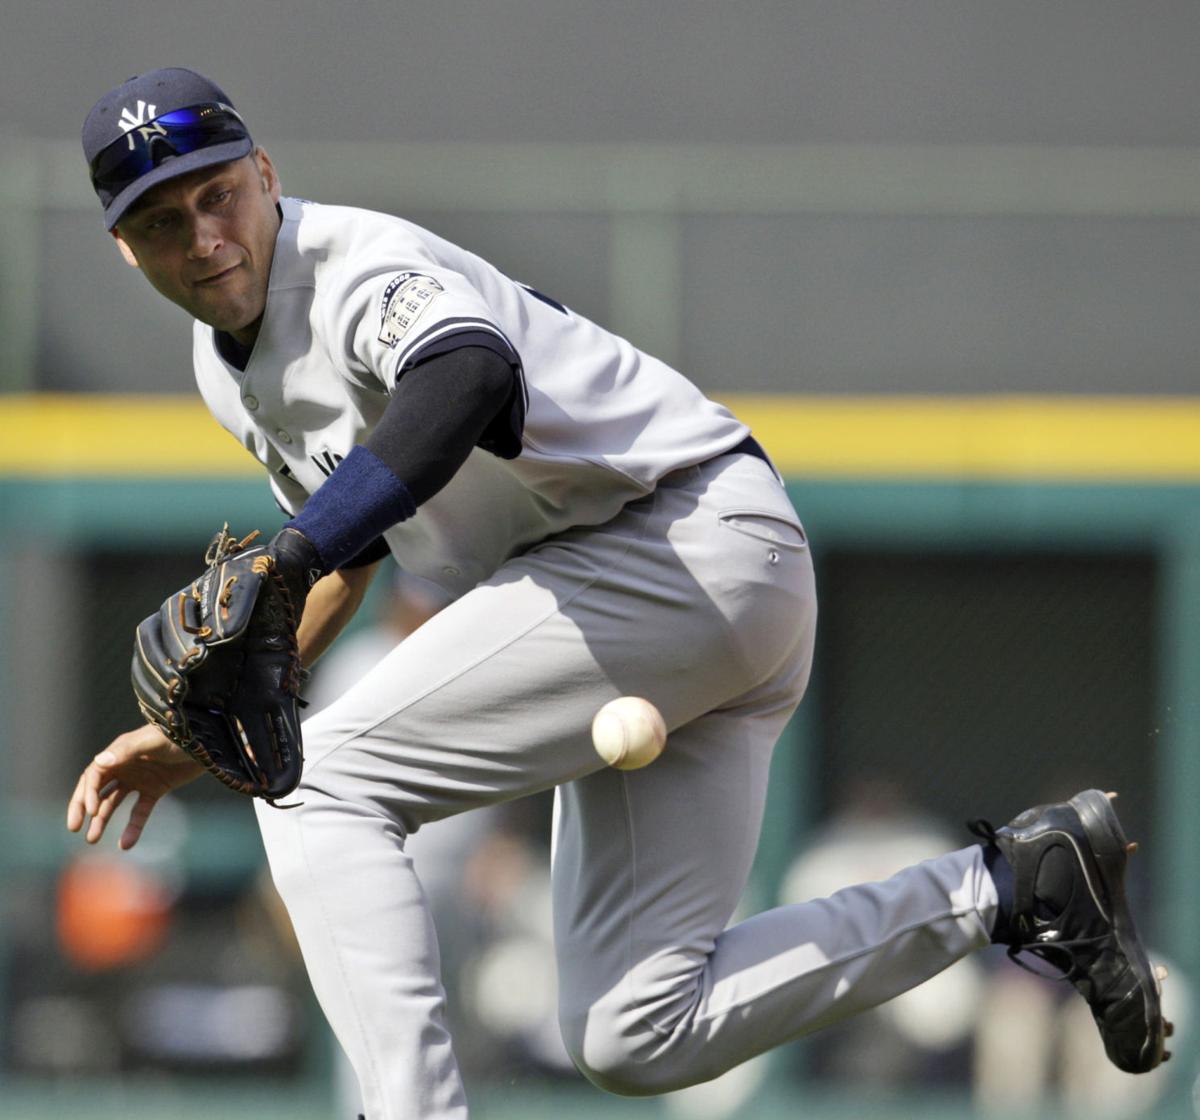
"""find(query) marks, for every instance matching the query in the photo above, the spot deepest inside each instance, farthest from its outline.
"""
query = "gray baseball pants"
(699, 597)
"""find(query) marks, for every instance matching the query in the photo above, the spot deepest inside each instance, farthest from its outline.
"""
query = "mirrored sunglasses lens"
(172, 134)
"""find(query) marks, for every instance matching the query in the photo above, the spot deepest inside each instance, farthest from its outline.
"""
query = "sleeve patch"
(404, 301)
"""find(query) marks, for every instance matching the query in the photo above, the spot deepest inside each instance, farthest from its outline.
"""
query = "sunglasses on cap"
(146, 146)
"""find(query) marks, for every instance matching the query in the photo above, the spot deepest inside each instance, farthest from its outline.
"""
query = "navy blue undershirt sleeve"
(372, 554)
(440, 410)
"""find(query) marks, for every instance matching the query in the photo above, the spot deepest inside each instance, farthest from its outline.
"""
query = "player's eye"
(157, 224)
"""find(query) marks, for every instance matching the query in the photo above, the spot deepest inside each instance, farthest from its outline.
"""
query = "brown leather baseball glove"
(217, 667)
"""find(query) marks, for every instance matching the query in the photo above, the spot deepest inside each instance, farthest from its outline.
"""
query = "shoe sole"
(1110, 850)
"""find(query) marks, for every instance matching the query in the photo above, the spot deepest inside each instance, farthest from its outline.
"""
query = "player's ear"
(126, 251)
(268, 174)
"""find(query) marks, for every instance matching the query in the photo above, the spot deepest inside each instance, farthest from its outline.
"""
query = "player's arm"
(439, 411)
(332, 602)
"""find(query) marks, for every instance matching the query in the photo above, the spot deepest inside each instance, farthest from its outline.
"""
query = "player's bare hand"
(144, 762)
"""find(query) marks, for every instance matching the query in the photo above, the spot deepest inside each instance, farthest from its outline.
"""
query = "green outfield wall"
(944, 477)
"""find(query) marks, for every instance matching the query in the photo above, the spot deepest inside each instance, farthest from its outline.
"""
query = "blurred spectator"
(151, 971)
(111, 911)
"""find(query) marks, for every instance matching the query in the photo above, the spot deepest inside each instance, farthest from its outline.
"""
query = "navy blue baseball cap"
(155, 127)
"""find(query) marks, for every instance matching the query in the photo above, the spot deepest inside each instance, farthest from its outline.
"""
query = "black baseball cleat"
(1069, 909)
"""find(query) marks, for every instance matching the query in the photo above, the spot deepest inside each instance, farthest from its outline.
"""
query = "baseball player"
(604, 530)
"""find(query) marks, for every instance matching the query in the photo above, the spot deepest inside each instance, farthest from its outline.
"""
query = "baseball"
(629, 733)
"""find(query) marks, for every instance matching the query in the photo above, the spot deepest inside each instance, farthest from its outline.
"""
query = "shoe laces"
(1063, 957)
(1071, 972)
(983, 829)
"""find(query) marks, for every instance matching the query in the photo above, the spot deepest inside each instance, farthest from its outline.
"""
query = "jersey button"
(250, 402)
(284, 437)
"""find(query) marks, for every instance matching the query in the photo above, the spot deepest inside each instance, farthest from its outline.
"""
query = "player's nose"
(205, 237)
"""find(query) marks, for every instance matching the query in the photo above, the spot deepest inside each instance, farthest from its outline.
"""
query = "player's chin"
(225, 313)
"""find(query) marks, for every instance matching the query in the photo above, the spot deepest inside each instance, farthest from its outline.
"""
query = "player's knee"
(622, 1054)
(304, 846)
(284, 854)
(610, 1065)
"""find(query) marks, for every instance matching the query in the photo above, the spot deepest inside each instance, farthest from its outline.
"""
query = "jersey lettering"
(326, 462)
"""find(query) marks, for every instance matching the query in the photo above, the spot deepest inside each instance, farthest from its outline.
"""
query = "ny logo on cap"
(129, 121)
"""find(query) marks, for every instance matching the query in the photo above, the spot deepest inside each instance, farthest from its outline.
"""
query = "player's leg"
(656, 993)
(492, 699)
(455, 717)
(370, 951)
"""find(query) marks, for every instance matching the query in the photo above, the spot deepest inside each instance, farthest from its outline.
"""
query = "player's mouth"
(216, 278)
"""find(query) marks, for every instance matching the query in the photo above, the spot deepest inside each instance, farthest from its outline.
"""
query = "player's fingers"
(76, 808)
(94, 778)
(137, 820)
(85, 800)
(112, 796)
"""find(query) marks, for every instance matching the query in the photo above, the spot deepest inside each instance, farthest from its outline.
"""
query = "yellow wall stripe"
(1036, 438)
(49, 436)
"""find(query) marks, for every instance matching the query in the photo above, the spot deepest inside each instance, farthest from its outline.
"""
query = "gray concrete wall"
(952, 71)
(853, 302)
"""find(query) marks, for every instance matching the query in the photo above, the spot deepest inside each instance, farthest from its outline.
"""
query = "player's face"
(206, 240)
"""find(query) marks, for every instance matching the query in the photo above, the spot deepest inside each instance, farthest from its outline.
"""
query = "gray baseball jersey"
(356, 298)
(605, 538)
